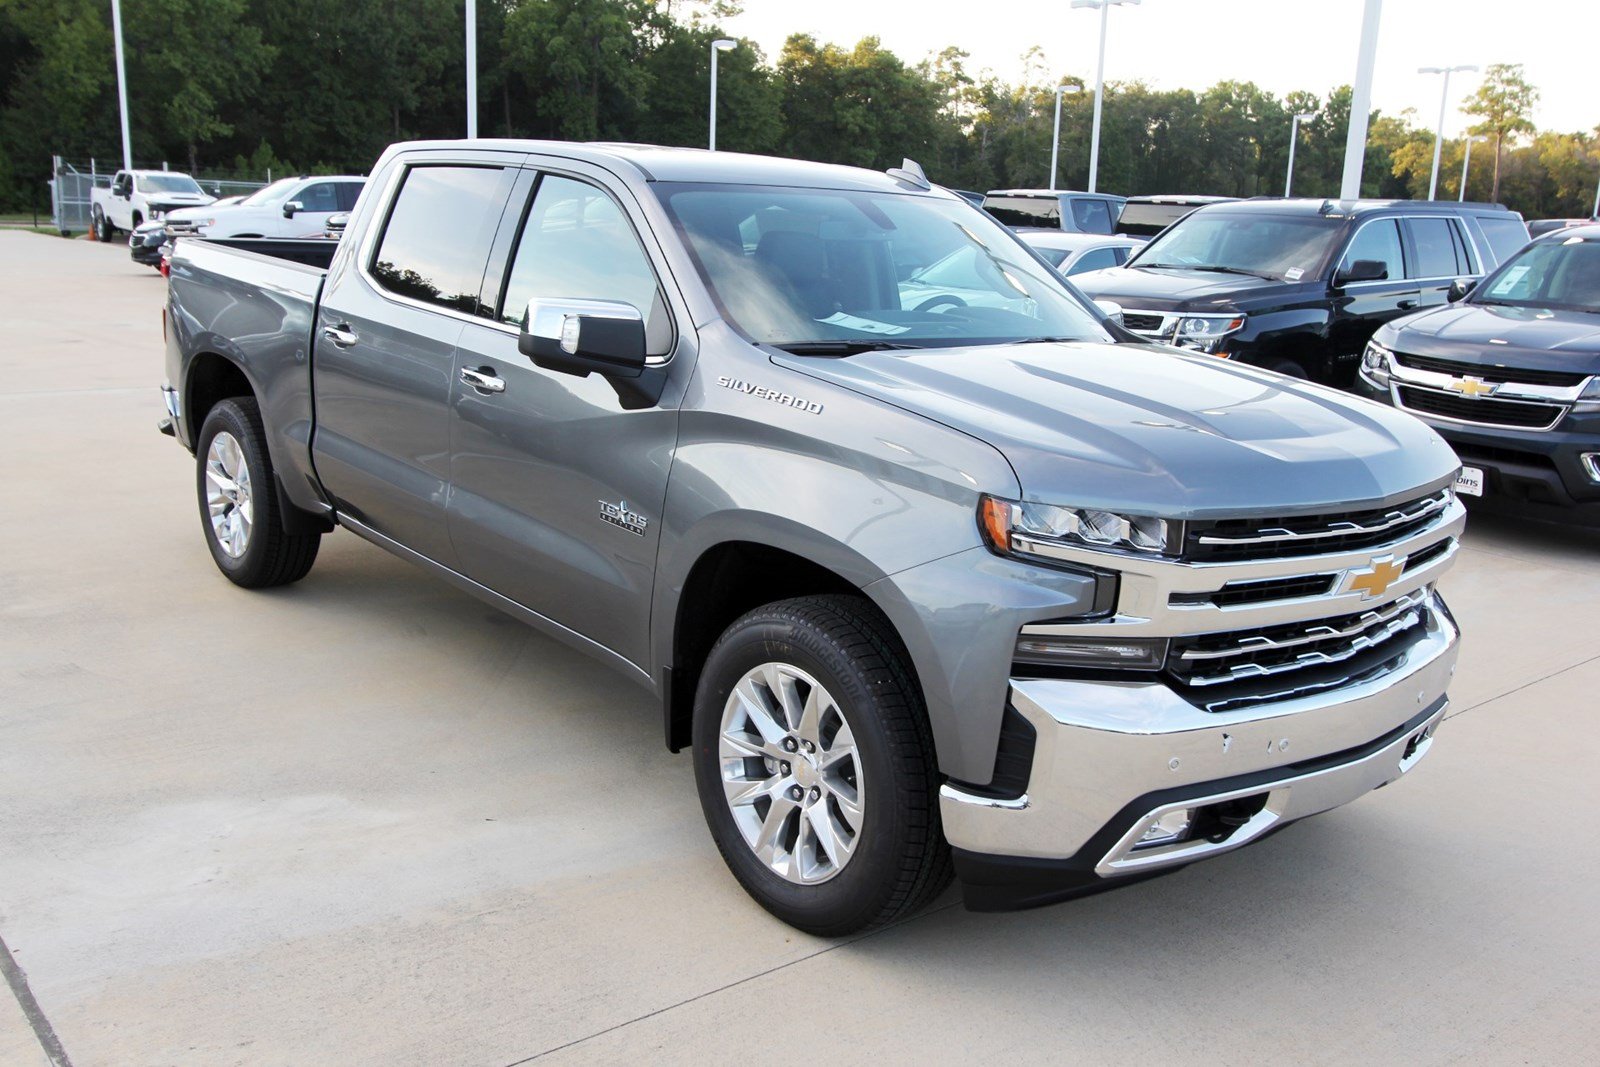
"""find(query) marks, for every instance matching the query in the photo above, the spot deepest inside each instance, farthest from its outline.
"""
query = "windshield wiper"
(1208, 267)
(1050, 339)
(841, 348)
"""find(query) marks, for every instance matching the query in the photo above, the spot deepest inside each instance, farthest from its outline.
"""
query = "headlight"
(1031, 530)
(1375, 364)
(1206, 332)
(1589, 399)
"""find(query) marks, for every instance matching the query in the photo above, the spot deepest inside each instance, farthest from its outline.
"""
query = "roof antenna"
(910, 172)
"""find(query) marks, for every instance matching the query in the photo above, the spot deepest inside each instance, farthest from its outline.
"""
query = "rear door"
(556, 486)
(385, 342)
(1361, 307)
(1436, 253)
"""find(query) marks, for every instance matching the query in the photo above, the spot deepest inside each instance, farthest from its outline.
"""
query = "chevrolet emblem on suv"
(1469, 386)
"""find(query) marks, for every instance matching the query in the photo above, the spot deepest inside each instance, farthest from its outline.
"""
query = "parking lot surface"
(366, 819)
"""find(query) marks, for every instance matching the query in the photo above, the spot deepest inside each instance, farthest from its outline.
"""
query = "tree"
(580, 60)
(1504, 102)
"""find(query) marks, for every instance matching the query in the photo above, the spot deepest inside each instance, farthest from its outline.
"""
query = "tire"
(895, 859)
(138, 220)
(247, 540)
(1289, 368)
(102, 226)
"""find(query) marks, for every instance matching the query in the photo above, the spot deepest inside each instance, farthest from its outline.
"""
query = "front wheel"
(239, 504)
(815, 766)
(102, 226)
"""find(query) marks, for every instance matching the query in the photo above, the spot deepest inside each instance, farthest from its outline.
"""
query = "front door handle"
(1405, 305)
(483, 380)
(341, 335)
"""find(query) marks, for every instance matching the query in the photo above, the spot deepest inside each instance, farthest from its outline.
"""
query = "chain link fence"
(73, 181)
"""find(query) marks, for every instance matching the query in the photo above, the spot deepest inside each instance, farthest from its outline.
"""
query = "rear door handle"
(1406, 305)
(483, 380)
(341, 335)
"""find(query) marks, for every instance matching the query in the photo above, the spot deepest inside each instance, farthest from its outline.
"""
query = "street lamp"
(1104, 6)
(1466, 158)
(722, 44)
(1444, 100)
(122, 83)
(1055, 144)
(472, 69)
(1294, 135)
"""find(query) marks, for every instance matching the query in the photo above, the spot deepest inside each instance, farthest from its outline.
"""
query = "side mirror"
(1362, 270)
(1110, 309)
(291, 208)
(1460, 288)
(584, 336)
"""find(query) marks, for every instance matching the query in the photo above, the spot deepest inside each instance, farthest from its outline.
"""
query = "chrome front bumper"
(1111, 757)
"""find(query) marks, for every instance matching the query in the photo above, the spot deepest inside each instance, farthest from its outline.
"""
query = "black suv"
(1300, 285)
(1509, 374)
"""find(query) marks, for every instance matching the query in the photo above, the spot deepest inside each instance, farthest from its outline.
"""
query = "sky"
(1278, 44)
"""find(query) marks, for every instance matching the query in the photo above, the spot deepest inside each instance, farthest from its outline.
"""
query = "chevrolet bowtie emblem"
(1375, 580)
(1469, 386)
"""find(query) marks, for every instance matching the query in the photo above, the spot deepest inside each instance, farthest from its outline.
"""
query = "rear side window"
(1094, 259)
(347, 193)
(1042, 211)
(1379, 240)
(1091, 216)
(577, 244)
(437, 239)
(1505, 235)
(1439, 252)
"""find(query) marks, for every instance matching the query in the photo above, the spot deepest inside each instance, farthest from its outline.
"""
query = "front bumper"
(1111, 757)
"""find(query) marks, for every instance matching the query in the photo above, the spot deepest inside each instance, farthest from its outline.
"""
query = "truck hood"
(1142, 429)
(1535, 338)
(1170, 289)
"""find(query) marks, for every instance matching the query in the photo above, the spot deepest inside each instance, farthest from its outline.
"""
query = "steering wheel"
(941, 301)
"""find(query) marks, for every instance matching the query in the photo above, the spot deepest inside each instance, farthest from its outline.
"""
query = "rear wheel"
(815, 766)
(238, 501)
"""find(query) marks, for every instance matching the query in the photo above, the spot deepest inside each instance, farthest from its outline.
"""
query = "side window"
(436, 242)
(318, 197)
(1122, 254)
(346, 193)
(1466, 262)
(1092, 216)
(1378, 240)
(1435, 245)
(1094, 259)
(1505, 234)
(578, 244)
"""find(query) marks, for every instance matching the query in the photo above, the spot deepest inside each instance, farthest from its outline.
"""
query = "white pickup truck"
(139, 196)
(289, 207)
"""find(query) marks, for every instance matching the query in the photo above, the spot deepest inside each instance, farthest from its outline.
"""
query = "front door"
(1364, 306)
(385, 343)
(556, 487)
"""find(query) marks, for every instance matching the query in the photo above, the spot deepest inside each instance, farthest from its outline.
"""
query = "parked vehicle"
(973, 198)
(1145, 216)
(1540, 227)
(146, 242)
(1509, 373)
(139, 196)
(336, 224)
(289, 207)
(1300, 285)
(1049, 209)
(993, 586)
(1078, 253)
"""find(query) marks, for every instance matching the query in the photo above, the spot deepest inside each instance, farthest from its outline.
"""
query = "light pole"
(721, 44)
(1355, 138)
(472, 69)
(1294, 136)
(122, 84)
(1104, 7)
(1055, 144)
(1466, 160)
(1444, 101)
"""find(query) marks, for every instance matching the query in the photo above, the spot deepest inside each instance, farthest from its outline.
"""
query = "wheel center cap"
(805, 773)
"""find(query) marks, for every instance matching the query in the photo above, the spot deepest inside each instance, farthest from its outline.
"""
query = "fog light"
(1591, 465)
(1169, 828)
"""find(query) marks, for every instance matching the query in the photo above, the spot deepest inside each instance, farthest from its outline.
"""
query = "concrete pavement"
(366, 819)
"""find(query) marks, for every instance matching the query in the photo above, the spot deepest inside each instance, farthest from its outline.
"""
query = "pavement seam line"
(730, 985)
(30, 1008)
(1501, 696)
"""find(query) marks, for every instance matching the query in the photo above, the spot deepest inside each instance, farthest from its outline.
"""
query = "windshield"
(1278, 247)
(168, 183)
(269, 194)
(798, 267)
(1561, 275)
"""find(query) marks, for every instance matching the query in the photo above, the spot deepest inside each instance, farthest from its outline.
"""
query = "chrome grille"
(1306, 535)
(1142, 321)
(1498, 375)
(1485, 411)
(1216, 659)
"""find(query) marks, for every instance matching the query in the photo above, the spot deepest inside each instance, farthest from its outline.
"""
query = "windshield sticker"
(1509, 281)
(1294, 274)
(851, 322)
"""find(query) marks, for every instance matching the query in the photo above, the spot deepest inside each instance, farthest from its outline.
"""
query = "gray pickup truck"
(933, 579)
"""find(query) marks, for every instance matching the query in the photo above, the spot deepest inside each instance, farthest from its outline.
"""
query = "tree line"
(234, 87)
